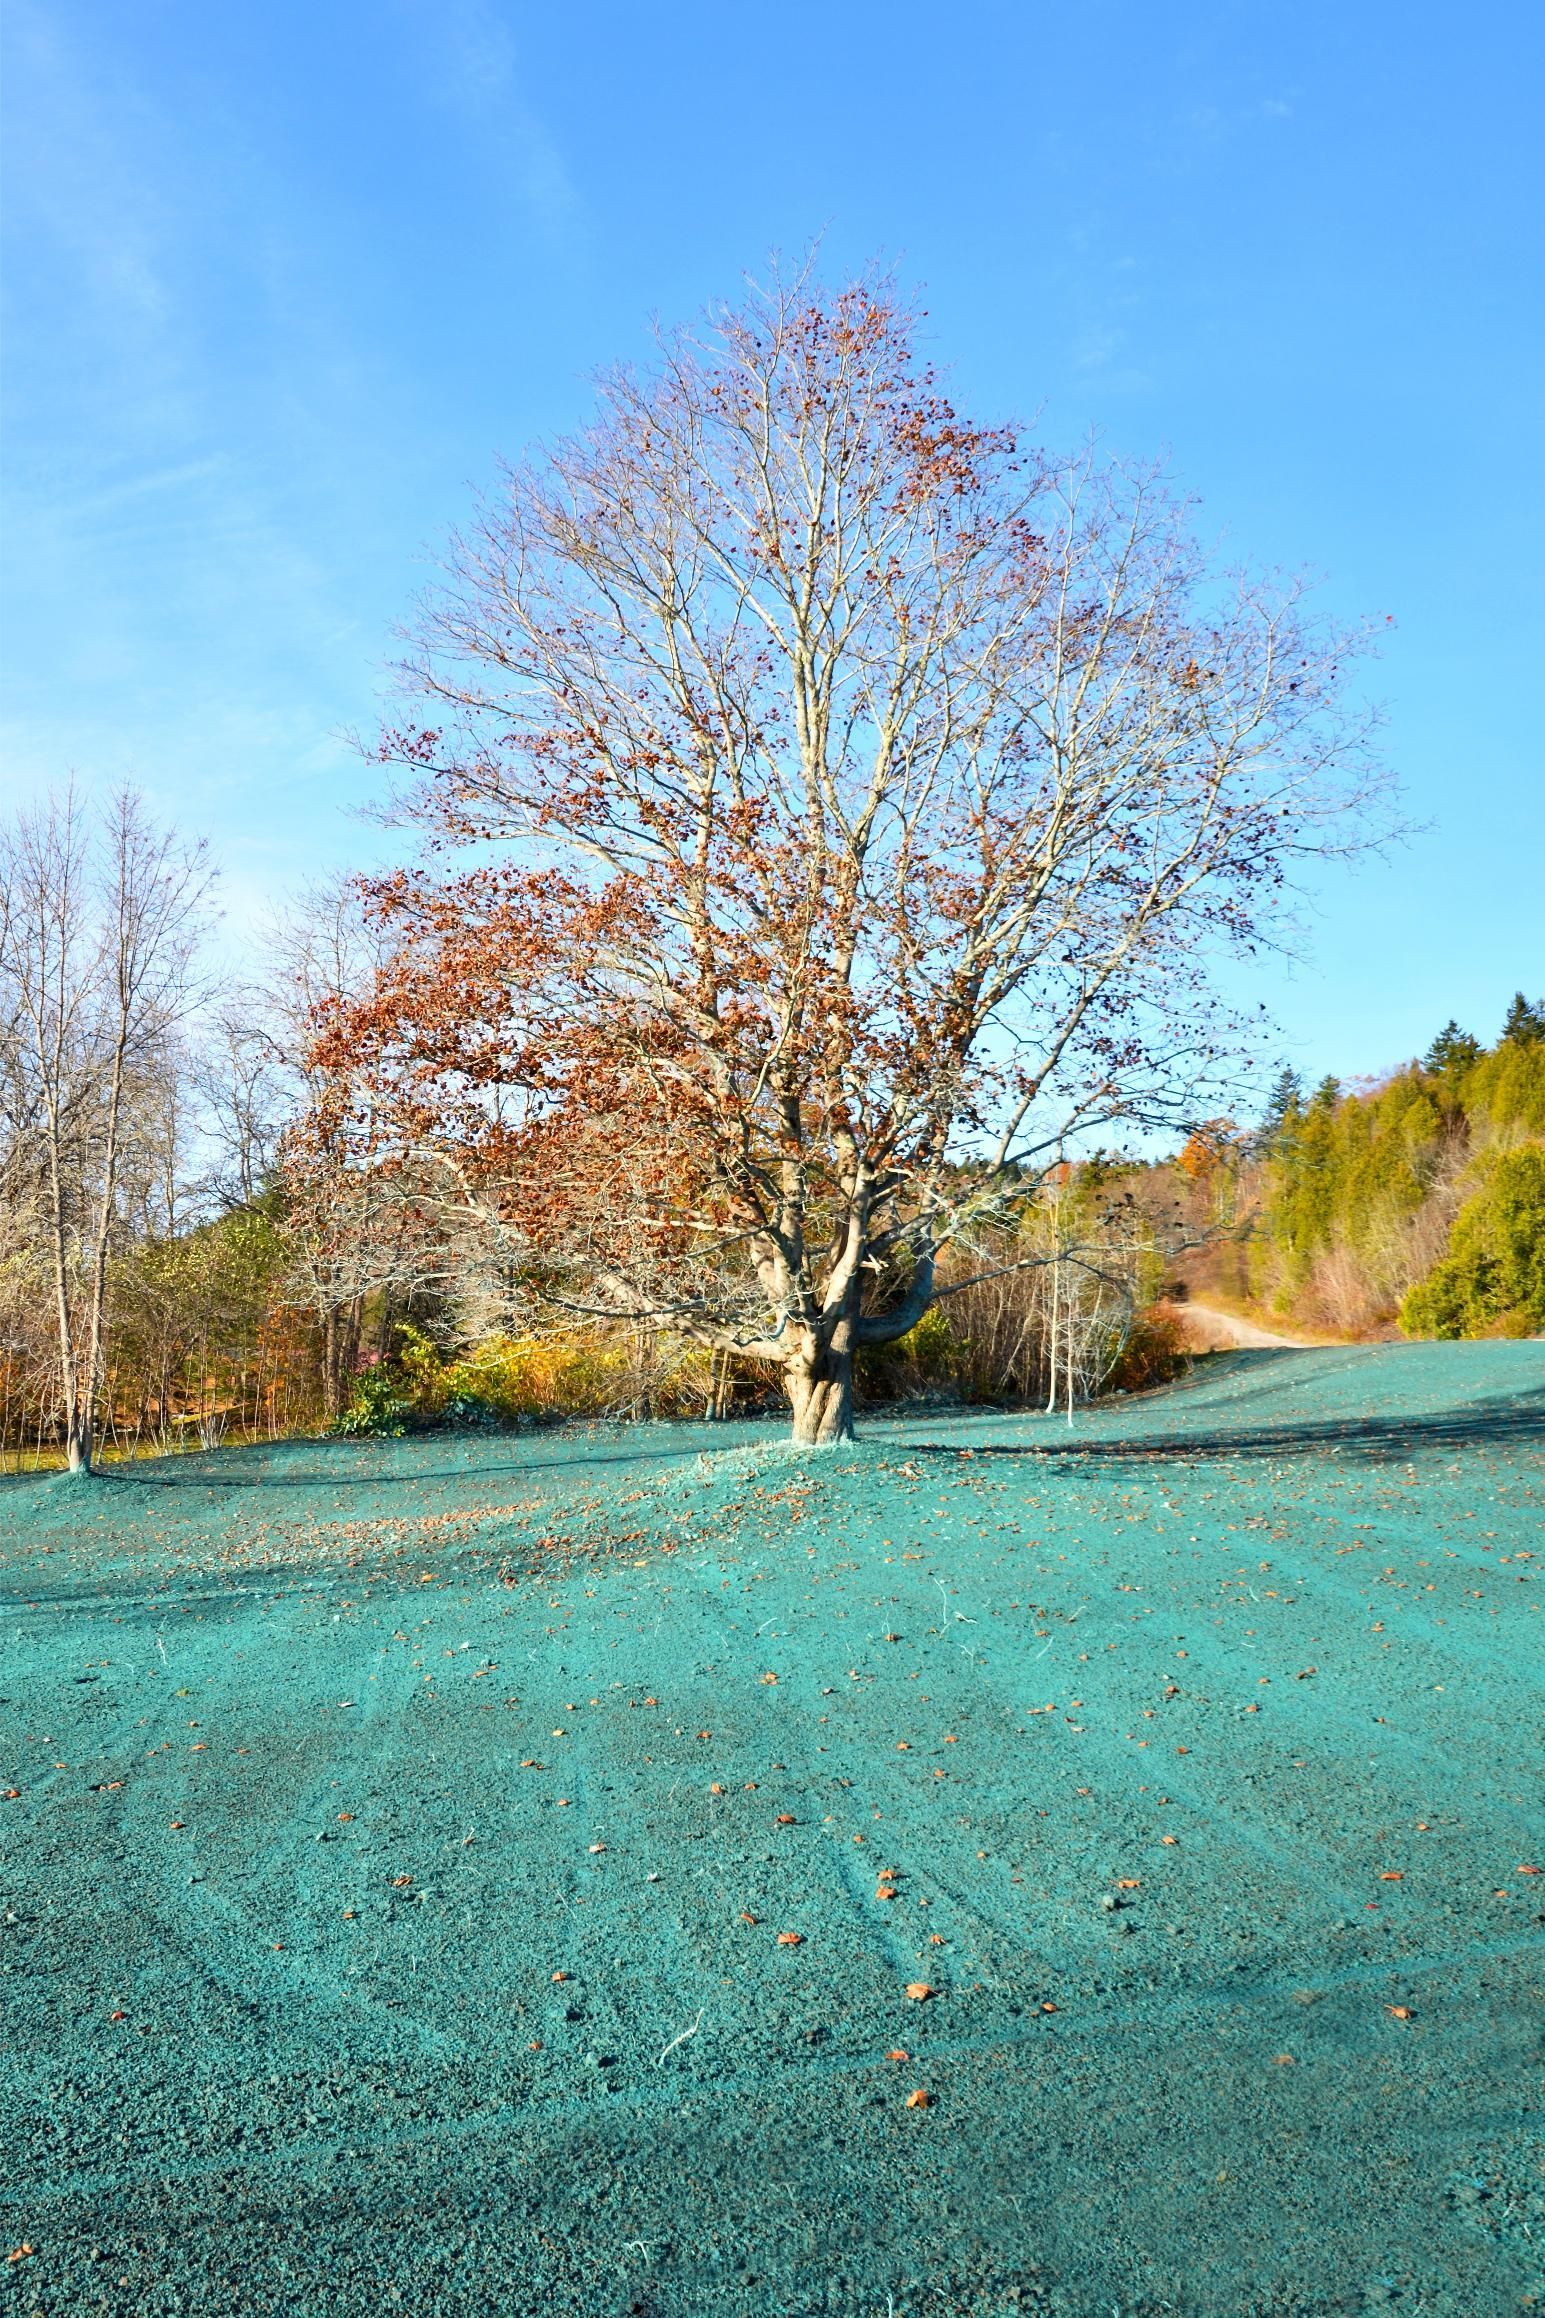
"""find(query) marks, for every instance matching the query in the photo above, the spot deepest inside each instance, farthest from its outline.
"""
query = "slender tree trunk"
(83, 1429)
(67, 1356)
(59, 1251)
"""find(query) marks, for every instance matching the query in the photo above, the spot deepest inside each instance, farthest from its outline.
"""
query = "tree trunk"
(820, 1393)
(340, 1353)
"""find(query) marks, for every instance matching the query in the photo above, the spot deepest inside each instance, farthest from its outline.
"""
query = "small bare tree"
(245, 1085)
(100, 918)
(355, 1232)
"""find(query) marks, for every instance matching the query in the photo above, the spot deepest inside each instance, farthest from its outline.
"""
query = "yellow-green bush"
(580, 1372)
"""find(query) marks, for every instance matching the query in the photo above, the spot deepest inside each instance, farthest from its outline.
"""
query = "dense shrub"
(1492, 1281)
(1155, 1351)
(581, 1372)
(377, 1404)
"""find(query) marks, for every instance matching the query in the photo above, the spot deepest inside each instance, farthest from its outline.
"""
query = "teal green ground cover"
(403, 1832)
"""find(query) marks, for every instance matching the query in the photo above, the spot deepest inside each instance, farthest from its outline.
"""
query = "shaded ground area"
(489, 1876)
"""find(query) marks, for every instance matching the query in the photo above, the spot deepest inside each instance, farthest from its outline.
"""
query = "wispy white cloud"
(475, 70)
(181, 609)
(69, 182)
(1097, 347)
(474, 51)
(1210, 125)
(89, 506)
(215, 445)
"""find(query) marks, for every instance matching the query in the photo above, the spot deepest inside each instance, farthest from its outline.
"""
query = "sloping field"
(498, 1876)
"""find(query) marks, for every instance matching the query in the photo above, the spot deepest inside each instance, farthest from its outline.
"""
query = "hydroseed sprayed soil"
(503, 1875)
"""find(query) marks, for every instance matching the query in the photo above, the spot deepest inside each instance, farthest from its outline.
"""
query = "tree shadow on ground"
(191, 1472)
(1505, 1421)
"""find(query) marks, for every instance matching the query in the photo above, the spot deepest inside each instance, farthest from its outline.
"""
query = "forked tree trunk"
(819, 1377)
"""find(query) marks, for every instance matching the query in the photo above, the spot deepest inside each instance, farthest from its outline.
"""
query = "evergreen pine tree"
(1286, 1095)
(1525, 1024)
(1451, 1052)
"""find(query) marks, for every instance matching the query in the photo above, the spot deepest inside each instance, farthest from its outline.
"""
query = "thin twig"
(686, 2032)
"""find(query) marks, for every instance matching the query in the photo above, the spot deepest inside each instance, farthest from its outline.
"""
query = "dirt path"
(1217, 1331)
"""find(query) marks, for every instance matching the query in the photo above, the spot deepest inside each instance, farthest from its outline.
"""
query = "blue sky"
(281, 283)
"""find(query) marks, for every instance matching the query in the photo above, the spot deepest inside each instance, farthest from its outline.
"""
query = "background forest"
(1413, 1202)
(172, 1198)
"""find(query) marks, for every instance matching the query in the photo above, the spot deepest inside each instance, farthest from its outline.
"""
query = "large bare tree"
(859, 798)
(100, 916)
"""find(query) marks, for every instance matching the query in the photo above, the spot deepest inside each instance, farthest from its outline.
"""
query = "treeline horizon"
(250, 1291)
